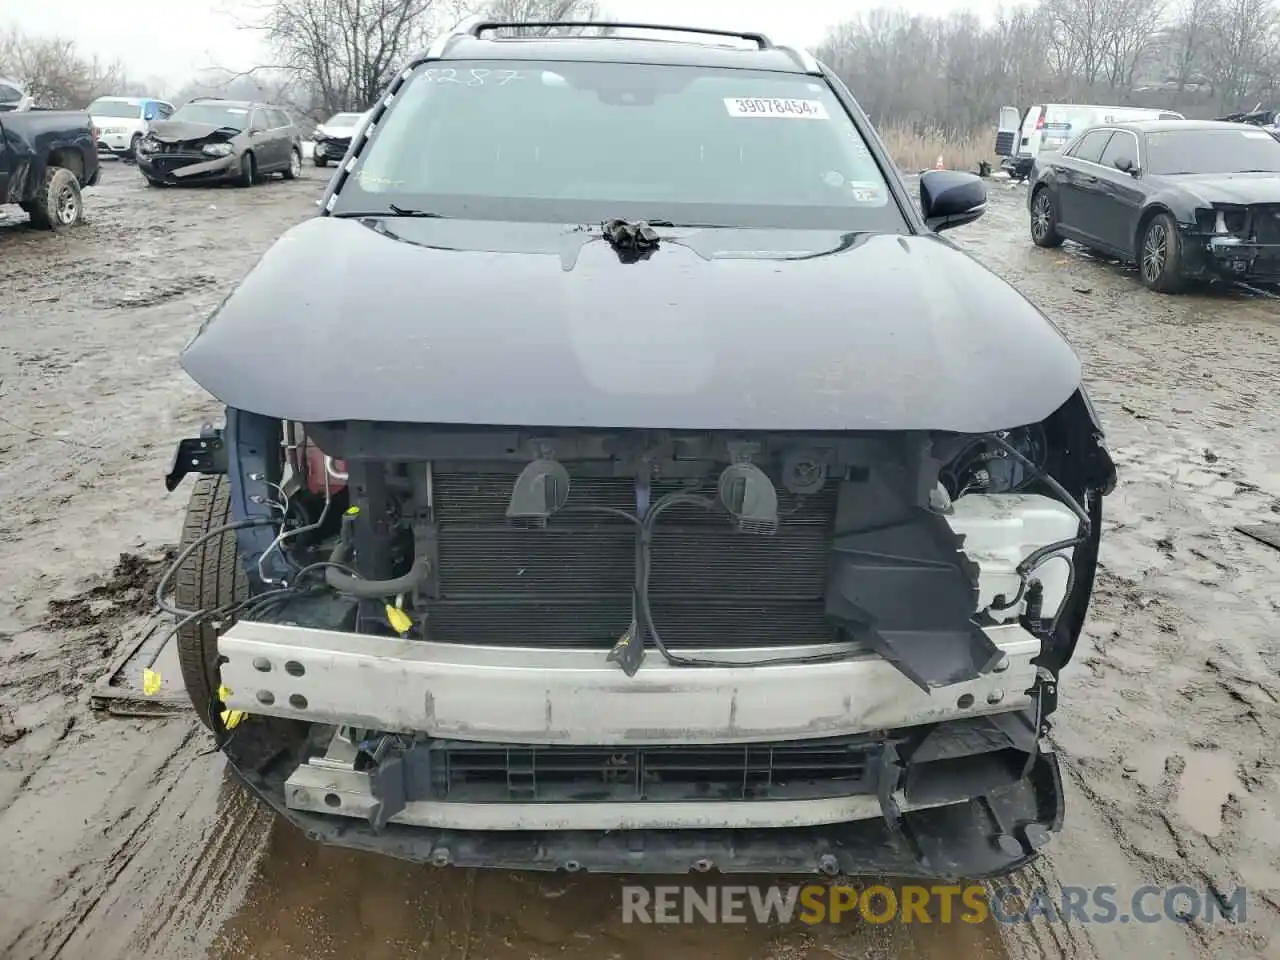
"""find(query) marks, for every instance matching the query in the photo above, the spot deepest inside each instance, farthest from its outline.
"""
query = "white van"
(122, 122)
(1048, 126)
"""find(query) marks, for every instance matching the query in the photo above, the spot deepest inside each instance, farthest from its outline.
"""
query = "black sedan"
(1184, 199)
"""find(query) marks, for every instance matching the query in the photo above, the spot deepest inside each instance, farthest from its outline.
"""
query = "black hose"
(1049, 481)
(163, 586)
(647, 527)
(1038, 556)
(362, 589)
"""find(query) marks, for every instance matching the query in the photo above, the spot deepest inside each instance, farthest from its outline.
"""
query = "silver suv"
(12, 96)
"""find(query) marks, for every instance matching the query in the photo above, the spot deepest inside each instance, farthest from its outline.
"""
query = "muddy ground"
(123, 838)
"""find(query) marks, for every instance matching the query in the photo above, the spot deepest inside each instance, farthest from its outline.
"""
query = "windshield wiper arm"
(392, 211)
(410, 212)
(688, 226)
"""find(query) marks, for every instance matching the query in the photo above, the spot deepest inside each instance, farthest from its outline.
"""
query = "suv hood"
(177, 131)
(466, 322)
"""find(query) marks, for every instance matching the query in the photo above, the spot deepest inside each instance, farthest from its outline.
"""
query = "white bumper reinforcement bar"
(558, 696)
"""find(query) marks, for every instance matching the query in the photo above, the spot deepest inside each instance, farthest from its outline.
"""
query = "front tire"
(295, 165)
(132, 152)
(1160, 256)
(58, 204)
(211, 578)
(1044, 220)
(320, 161)
(248, 171)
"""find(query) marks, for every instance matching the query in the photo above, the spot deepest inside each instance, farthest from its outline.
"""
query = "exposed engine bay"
(1241, 242)
(504, 629)
(586, 540)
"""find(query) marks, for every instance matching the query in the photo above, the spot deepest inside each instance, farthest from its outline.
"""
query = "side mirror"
(949, 198)
(149, 114)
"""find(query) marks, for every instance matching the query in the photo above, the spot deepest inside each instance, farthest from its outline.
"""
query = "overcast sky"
(176, 40)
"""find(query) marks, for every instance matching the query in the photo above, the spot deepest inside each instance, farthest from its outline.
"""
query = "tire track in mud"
(85, 892)
(111, 841)
(188, 868)
(203, 864)
(121, 837)
(1168, 710)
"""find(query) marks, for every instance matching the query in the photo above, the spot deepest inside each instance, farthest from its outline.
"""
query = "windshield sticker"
(864, 192)
(776, 107)
(236, 110)
(475, 77)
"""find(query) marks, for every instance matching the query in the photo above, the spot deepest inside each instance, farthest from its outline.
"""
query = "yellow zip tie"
(151, 682)
(230, 718)
(398, 619)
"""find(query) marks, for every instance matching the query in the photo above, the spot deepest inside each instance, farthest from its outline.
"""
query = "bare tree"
(344, 51)
(1130, 33)
(949, 73)
(953, 74)
(1242, 40)
(270, 86)
(515, 11)
(55, 73)
(342, 54)
(1191, 39)
(1082, 35)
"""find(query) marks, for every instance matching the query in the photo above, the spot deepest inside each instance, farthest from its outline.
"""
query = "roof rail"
(464, 28)
(485, 26)
(807, 61)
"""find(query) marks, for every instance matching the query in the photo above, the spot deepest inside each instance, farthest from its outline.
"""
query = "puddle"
(1205, 784)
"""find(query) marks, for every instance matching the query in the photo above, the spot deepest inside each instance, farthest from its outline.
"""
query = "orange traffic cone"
(938, 165)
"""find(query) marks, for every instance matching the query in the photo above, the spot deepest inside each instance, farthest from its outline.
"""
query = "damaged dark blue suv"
(621, 474)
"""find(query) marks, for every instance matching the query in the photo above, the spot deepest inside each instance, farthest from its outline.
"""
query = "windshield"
(115, 108)
(1242, 150)
(587, 142)
(214, 114)
(343, 120)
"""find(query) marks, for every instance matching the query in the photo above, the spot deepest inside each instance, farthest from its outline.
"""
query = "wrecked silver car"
(648, 487)
(209, 140)
(333, 137)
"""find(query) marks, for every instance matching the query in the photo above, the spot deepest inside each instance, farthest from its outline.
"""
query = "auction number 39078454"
(776, 107)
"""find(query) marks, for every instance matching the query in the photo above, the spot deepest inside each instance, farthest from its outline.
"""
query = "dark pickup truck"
(46, 156)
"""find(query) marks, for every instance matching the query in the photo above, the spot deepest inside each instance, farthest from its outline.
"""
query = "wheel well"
(1147, 216)
(69, 159)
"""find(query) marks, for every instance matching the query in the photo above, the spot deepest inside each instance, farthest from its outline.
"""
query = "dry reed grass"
(914, 149)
